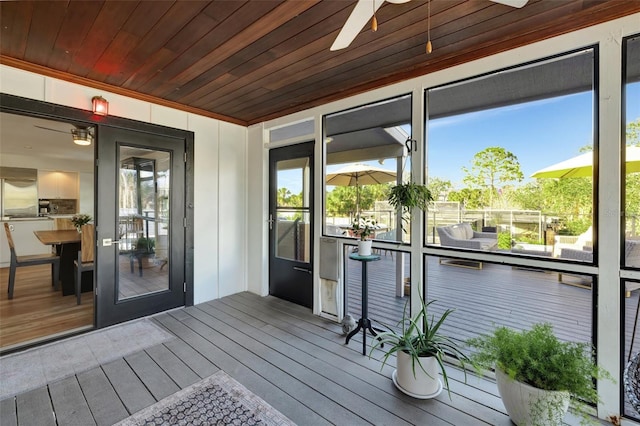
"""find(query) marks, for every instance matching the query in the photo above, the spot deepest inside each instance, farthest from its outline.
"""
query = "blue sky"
(539, 133)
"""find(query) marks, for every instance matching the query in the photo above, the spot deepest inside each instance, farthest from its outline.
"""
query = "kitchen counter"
(23, 219)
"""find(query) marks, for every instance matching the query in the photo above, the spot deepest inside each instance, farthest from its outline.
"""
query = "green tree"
(469, 198)
(439, 188)
(285, 198)
(571, 197)
(342, 200)
(633, 133)
(492, 166)
(632, 183)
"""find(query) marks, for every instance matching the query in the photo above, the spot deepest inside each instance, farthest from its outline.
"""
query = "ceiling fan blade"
(359, 17)
(512, 3)
(49, 128)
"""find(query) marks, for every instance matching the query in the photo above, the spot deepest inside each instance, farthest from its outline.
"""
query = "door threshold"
(44, 340)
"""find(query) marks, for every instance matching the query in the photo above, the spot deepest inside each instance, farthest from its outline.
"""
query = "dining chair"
(85, 257)
(31, 260)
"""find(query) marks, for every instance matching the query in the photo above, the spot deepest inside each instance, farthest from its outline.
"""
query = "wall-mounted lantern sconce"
(100, 105)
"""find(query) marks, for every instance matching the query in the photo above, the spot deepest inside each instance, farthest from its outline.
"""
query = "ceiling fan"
(366, 9)
(82, 135)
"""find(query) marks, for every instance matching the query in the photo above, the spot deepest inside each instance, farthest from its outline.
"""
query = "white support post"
(609, 191)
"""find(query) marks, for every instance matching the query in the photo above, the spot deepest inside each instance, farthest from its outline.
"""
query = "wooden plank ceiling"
(250, 61)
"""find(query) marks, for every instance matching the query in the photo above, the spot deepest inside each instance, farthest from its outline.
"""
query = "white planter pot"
(524, 402)
(423, 384)
(364, 247)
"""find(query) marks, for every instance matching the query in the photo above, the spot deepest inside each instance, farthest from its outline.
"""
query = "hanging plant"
(409, 195)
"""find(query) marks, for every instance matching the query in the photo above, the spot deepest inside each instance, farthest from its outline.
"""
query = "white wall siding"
(21, 83)
(232, 219)
(257, 212)
(205, 226)
(170, 117)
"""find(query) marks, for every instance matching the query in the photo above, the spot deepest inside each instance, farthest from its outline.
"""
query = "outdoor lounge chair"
(576, 242)
(631, 255)
(463, 236)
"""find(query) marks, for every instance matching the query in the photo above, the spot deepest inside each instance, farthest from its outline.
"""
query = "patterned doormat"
(215, 400)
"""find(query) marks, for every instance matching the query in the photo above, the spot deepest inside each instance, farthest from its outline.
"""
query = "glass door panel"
(143, 195)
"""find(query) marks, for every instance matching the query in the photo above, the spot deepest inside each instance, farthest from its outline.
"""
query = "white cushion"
(458, 232)
(468, 230)
(585, 237)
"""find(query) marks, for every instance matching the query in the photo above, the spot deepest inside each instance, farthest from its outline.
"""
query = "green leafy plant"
(420, 337)
(575, 227)
(146, 245)
(363, 228)
(538, 358)
(529, 238)
(408, 196)
(80, 219)
(504, 240)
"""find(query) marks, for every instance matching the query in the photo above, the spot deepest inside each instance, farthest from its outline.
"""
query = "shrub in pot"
(420, 350)
(538, 374)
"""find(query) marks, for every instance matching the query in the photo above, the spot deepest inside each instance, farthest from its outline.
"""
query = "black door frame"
(304, 149)
(41, 109)
(109, 308)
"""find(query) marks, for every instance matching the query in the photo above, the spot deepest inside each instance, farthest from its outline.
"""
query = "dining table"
(67, 246)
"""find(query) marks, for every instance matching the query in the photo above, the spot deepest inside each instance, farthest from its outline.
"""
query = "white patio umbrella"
(582, 166)
(360, 174)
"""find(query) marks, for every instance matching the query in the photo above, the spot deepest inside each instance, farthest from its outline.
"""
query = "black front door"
(140, 224)
(291, 223)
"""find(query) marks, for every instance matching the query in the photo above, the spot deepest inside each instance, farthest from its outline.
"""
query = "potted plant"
(538, 374)
(145, 245)
(80, 219)
(408, 196)
(363, 228)
(144, 250)
(420, 349)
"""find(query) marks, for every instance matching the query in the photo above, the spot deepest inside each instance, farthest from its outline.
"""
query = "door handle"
(107, 242)
(308, 271)
(270, 221)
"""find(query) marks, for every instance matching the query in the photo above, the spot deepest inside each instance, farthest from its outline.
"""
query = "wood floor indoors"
(295, 361)
(36, 310)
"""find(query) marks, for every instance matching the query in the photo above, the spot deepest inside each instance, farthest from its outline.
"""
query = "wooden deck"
(484, 298)
(487, 297)
(295, 361)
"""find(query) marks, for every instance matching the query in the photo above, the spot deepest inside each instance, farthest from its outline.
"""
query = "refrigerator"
(19, 198)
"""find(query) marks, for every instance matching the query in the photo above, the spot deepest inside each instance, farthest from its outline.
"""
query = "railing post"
(511, 223)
